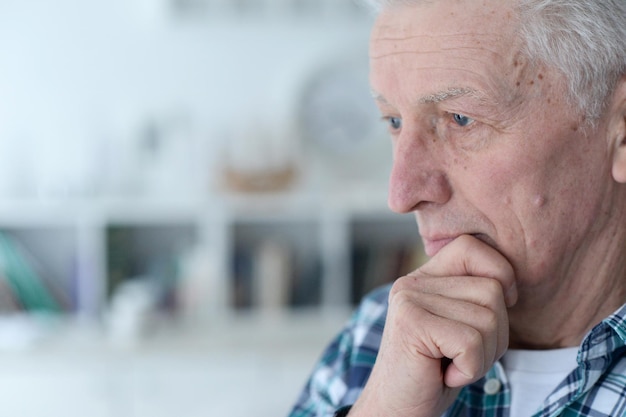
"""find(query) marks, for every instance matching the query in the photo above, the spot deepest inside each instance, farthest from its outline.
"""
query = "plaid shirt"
(596, 388)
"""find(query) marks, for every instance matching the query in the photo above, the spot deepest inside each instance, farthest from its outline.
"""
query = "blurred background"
(192, 202)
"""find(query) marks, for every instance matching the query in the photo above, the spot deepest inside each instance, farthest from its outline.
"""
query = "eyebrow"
(438, 97)
(448, 94)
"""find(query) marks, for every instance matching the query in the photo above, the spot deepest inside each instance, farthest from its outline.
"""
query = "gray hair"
(583, 39)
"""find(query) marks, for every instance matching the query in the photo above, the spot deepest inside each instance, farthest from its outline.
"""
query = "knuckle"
(493, 286)
(490, 325)
(400, 285)
(401, 299)
(405, 285)
(472, 339)
(493, 292)
(491, 321)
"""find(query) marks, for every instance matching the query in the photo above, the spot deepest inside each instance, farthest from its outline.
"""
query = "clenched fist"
(446, 325)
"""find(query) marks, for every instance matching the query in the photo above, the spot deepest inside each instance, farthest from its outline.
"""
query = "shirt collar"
(605, 338)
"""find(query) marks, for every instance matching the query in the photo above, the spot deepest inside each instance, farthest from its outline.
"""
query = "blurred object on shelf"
(259, 159)
(168, 155)
(382, 251)
(153, 252)
(272, 275)
(132, 311)
(26, 288)
(335, 111)
(154, 154)
(260, 181)
(120, 262)
(339, 124)
(379, 263)
(275, 266)
(198, 286)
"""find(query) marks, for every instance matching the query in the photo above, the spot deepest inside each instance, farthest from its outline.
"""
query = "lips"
(433, 245)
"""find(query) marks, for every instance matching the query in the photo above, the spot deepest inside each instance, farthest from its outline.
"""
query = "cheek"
(487, 182)
(544, 217)
(491, 190)
(512, 197)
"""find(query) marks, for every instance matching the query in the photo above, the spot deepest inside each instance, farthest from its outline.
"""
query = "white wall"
(79, 79)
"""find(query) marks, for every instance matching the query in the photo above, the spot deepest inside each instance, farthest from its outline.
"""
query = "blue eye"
(462, 120)
(395, 123)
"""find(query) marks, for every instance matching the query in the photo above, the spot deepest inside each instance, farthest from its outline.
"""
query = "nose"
(417, 176)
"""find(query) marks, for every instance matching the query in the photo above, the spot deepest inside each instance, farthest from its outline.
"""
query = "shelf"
(382, 250)
(259, 252)
(276, 264)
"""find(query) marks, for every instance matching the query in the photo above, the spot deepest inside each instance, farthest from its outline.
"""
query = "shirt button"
(492, 386)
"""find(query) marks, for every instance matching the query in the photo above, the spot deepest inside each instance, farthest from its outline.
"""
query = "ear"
(617, 132)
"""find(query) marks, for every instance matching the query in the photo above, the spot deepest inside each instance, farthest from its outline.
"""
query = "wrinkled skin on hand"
(446, 326)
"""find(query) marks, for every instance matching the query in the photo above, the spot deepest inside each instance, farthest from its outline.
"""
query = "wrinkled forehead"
(434, 47)
(474, 36)
(441, 22)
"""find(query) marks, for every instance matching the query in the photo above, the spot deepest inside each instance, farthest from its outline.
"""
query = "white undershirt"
(534, 374)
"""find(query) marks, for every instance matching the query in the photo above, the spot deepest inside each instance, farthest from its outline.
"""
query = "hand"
(446, 326)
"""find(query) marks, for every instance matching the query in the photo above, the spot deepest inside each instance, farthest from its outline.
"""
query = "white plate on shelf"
(339, 124)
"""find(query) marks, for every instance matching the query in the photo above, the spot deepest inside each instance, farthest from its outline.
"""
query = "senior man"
(508, 125)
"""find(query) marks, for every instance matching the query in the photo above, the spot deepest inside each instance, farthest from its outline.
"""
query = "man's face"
(484, 142)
